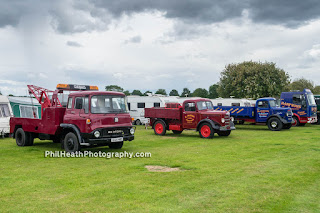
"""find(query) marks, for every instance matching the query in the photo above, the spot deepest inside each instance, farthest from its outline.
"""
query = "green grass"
(252, 170)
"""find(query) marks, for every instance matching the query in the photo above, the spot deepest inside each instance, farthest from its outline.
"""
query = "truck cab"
(268, 108)
(317, 99)
(303, 105)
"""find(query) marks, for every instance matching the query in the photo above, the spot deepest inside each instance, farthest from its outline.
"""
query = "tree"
(146, 93)
(252, 80)
(185, 92)
(213, 91)
(126, 92)
(137, 92)
(161, 92)
(115, 88)
(301, 84)
(174, 93)
(316, 90)
(200, 92)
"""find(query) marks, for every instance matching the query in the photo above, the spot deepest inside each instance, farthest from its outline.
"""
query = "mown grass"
(252, 170)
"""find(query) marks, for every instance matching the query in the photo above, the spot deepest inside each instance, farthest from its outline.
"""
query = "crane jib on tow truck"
(90, 118)
(195, 114)
(265, 111)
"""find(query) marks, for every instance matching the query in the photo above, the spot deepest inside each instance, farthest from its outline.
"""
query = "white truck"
(5, 114)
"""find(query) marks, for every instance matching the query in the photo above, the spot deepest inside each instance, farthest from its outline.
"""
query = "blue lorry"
(265, 111)
(303, 105)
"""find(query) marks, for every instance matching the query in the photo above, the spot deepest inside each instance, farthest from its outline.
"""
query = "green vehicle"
(317, 98)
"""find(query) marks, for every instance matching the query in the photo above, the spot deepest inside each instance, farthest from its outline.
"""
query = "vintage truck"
(195, 114)
(90, 118)
(303, 105)
(265, 111)
(317, 98)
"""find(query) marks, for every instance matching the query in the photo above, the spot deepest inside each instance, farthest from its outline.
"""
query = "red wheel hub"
(205, 131)
(159, 128)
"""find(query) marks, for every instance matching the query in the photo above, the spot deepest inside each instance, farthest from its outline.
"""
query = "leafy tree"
(115, 88)
(174, 93)
(185, 92)
(137, 92)
(316, 90)
(213, 91)
(161, 92)
(200, 92)
(126, 92)
(252, 80)
(301, 84)
(146, 93)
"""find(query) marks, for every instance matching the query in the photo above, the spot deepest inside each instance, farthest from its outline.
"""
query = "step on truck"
(265, 111)
(197, 114)
(90, 118)
(303, 106)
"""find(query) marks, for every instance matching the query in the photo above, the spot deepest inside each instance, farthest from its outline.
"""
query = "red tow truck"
(90, 118)
(195, 114)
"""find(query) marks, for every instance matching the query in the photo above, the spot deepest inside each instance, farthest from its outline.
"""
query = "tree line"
(248, 79)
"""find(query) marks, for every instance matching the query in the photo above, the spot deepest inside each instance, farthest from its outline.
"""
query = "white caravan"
(137, 104)
(232, 102)
(5, 114)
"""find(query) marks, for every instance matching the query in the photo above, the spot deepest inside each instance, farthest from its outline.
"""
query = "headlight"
(223, 120)
(96, 134)
(232, 119)
(132, 131)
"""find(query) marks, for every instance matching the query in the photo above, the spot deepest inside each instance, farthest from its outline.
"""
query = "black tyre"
(176, 132)
(275, 124)
(138, 122)
(224, 133)
(23, 138)
(206, 130)
(71, 143)
(117, 145)
(287, 126)
(159, 128)
(296, 121)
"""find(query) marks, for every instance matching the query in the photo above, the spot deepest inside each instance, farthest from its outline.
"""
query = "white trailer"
(233, 102)
(137, 104)
(5, 114)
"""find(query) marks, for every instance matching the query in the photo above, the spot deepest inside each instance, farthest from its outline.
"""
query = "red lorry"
(195, 114)
(90, 118)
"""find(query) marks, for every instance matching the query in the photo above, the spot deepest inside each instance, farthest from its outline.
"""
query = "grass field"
(252, 170)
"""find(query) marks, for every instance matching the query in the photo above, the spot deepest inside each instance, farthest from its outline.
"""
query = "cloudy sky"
(146, 44)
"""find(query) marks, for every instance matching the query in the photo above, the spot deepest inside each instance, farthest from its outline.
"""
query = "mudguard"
(213, 124)
(284, 121)
(74, 128)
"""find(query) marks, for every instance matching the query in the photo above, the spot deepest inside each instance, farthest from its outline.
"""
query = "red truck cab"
(90, 118)
(195, 114)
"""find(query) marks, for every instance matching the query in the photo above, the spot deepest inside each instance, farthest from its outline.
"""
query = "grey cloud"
(135, 39)
(73, 44)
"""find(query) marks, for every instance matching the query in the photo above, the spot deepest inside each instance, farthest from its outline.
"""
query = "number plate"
(117, 139)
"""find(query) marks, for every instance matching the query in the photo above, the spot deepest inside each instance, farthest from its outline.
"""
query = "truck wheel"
(138, 122)
(224, 133)
(116, 145)
(23, 138)
(206, 130)
(287, 126)
(159, 128)
(275, 124)
(71, 143)
(176, 132)
(296, 121)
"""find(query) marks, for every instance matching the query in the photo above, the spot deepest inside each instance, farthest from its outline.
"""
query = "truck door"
(263, 111)
(80, 113)
(190, 116)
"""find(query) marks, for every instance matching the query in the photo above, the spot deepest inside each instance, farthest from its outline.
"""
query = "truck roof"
(85, 93)
(266, 98)
(197, 99)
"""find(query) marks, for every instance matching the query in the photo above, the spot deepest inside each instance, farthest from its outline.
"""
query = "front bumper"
(227, 127)
(107, 135)
(312, 120)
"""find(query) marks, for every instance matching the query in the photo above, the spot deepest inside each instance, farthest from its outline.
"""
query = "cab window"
(190, 107)
(69, 106)
(82, 103)
(263, 104)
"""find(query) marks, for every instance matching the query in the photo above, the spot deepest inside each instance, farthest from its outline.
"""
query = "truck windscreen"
(202, 105)
(311, 99)
(273, 103)
(108, 104)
